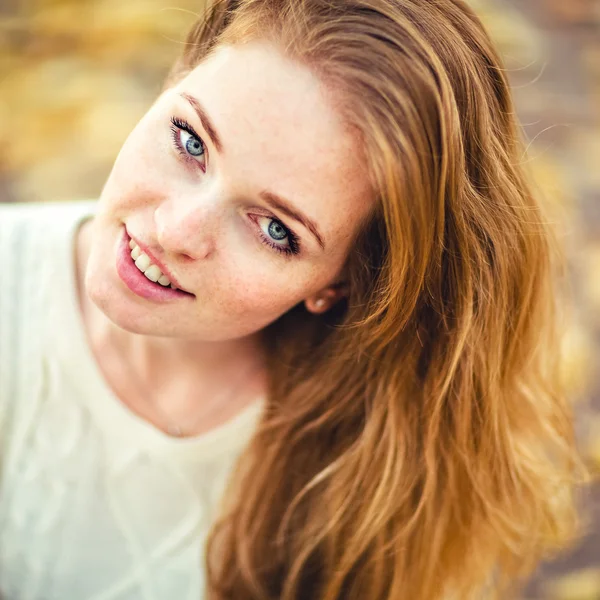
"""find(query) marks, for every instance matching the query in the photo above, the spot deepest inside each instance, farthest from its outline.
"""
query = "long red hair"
(418, 439)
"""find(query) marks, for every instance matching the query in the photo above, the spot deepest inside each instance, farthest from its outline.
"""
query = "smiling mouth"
(150, 282)
(152, 271)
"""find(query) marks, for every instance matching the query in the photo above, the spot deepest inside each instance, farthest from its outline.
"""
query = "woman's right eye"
(187, 142)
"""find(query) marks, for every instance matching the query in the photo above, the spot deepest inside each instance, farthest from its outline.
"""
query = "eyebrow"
(205, 120)
(277, 202)
(287, 208)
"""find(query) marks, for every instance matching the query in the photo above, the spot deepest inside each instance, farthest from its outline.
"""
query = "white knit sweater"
(95, 502)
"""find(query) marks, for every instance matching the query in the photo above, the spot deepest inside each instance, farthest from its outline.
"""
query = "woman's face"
(200, 198)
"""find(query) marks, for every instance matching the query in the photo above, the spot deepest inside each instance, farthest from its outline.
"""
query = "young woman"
(307, 342)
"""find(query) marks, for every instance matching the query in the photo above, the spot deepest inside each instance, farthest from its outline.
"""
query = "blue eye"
(277, 231)
(192, 145)
(186, 140)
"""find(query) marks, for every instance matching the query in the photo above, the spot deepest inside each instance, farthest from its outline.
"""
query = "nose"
(186, 227)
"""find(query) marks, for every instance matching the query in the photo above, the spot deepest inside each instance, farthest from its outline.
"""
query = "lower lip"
(137, 282)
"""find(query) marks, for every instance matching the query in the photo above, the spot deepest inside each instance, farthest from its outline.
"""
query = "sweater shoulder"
(31, 238)
(33, 227)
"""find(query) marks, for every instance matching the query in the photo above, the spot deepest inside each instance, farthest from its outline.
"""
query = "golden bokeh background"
(77, 75)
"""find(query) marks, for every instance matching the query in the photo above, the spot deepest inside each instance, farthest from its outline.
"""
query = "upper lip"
(165, 270)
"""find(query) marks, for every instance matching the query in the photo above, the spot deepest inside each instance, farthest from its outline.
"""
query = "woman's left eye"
(187, 141)
(277, 231)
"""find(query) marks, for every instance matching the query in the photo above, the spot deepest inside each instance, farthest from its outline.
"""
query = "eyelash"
(294, 245)
(179, 124)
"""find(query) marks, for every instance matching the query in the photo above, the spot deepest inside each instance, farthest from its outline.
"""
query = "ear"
(324, 299)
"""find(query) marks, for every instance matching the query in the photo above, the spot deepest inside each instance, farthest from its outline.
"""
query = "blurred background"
(76, 76)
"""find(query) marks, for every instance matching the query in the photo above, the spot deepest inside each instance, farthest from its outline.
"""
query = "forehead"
(281, 131)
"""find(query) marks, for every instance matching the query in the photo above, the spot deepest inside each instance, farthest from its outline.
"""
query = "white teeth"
(144, 264)
(153, 273)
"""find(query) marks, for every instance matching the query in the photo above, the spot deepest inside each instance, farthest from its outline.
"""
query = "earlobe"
(326, 298)
(316, 305)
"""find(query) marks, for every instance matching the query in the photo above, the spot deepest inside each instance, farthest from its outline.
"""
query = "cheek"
(261, 295)
(265, 294)
(258, 297)
(135, 172)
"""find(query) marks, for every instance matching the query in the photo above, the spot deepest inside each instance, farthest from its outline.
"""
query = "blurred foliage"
(75, 78)
(76, 75)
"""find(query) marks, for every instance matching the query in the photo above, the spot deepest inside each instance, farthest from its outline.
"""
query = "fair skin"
(199, 208)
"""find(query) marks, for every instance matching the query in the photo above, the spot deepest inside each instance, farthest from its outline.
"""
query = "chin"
(122, 311)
